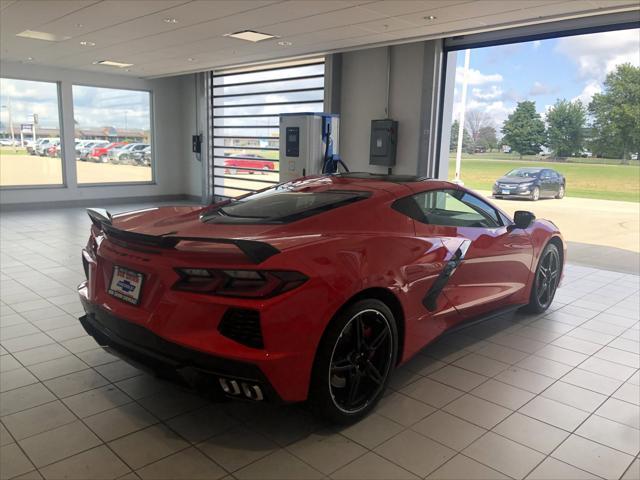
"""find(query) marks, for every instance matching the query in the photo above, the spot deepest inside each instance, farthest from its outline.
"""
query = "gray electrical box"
(384, 139)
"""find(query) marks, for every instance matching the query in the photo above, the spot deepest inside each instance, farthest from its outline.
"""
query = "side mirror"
(522, 219)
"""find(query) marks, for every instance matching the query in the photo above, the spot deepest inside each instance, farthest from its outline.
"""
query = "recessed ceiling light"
(191, 59)
(170, 20)
(78, 25)
(49, 37)
(111, 63)
(430, 17)
(29, 59)
(250, 36)
(284, 43)
(86, 43)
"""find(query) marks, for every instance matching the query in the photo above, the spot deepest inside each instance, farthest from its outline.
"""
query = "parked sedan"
(142, 157)
(532, 183)
(247, 163)
(125, 153)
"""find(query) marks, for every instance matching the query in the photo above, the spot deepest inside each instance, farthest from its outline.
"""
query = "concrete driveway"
(600, 233)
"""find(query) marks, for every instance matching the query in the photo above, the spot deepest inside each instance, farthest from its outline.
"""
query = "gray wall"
(363, 98)
(169, 139)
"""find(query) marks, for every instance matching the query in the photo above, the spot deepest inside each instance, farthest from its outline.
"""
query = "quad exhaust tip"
(241, 389)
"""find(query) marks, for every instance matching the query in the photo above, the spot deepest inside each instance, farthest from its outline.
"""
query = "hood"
(516, 180)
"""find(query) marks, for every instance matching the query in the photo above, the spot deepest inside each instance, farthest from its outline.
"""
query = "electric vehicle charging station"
(309, 144)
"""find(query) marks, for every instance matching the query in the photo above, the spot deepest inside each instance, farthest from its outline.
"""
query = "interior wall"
(169, 142)
(193, 104)
(364, 98)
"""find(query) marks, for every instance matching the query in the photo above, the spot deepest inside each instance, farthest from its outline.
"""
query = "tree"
(523, 130)
(466, 139)
(475, 121)
(616, 112)
(487, 138)
(565, 127)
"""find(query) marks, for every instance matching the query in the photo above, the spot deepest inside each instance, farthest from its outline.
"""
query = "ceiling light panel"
(250, 36)
(46, 36)
(113, 63)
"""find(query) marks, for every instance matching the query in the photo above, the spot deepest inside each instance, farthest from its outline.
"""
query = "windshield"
(523, 173)
(280, 205)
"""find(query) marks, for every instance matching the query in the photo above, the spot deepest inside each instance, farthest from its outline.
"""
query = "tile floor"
(549, 397)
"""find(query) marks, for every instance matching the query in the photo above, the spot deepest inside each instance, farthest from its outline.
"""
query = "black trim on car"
(143, 348)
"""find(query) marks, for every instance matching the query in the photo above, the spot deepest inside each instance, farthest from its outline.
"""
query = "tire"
(347, 382)
(545, 280)
(266, 170)
(560, 194)
(103, 159)
(535, 194)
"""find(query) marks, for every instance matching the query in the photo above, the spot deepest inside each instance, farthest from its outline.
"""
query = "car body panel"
(343, 252)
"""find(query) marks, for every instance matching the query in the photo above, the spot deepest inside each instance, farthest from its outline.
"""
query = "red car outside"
(247, 163)
(100, 154)
(314, 289)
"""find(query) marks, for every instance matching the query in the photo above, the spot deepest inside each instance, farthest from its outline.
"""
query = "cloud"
(476, 77)
(487, 94)
(597, 54)
(539, 88)
(589, 90)
(497, 110)
(536, 44)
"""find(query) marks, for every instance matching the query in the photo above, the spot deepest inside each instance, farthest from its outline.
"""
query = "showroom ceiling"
(166, 37)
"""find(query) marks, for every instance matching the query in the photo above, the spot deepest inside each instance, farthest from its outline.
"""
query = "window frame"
(501, 217)
(61, 134)
(152, 142)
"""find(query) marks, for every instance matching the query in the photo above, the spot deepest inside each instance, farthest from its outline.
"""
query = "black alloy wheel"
(354, 362)
(546, 280)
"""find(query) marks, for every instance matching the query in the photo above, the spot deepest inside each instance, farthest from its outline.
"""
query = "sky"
(543, 71)
(93, 107)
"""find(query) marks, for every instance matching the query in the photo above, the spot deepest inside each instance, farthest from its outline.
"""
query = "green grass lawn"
(585, 179)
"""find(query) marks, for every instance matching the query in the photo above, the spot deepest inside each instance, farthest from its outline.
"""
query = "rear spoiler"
(255, 250)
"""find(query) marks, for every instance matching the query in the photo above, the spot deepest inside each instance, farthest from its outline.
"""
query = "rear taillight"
(238, 283)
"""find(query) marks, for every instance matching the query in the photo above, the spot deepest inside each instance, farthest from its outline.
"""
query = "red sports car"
(314, 289)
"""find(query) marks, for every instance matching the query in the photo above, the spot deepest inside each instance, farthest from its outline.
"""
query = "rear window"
(281, 205)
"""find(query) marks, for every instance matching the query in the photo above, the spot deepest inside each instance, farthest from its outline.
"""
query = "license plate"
(506, 192)
(126, 285)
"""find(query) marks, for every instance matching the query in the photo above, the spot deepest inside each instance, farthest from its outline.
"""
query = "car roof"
(398, 185)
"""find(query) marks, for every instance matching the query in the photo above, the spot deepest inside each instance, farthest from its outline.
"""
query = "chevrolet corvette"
(312, 290)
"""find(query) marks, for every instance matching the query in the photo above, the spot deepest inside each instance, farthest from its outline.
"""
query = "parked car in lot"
(247, 163)
(84, 151)
(125, 153)
(44, 144)
(54, 149)
(142, 157)
(7, 142)
(100, 153)
(530, 182)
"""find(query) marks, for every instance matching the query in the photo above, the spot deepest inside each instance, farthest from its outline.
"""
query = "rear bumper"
(195, 369)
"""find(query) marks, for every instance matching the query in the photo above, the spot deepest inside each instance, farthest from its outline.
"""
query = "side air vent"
(243, 326)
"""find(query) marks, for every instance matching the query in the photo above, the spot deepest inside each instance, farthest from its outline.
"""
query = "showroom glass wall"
(30, 147)
(244, 115)
(112, 138)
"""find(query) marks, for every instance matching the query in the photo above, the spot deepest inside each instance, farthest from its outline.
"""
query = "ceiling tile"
(105, 14)
(32, 14)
